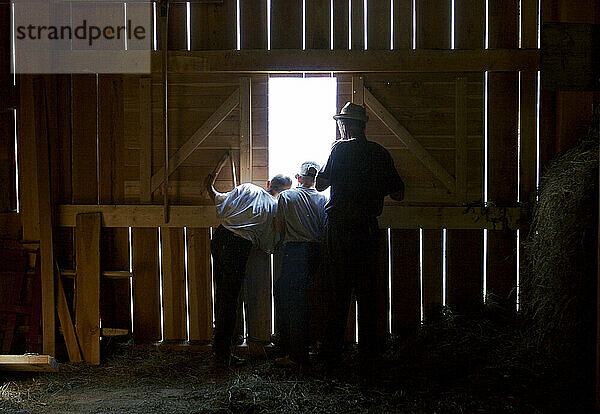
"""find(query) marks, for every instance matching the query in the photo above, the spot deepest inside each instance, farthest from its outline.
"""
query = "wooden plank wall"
(108, 141)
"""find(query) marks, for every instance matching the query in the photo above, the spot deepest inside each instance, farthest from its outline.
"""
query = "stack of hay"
(559, 283)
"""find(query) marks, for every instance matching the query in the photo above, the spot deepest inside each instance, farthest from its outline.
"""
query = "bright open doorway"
(301, 125)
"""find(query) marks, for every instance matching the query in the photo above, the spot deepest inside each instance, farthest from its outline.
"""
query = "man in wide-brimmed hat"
(361, 173)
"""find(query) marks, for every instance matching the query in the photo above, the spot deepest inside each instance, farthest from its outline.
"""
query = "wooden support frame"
(356, 60)
(396, 217)
(197, 138)
(245, 103)
(411, 143)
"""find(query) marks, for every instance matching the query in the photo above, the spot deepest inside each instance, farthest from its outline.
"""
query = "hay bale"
(558, 284)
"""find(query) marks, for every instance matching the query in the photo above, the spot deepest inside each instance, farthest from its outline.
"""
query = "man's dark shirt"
(361, 173)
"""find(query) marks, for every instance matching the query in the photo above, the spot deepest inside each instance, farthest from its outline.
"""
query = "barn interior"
(487, 270)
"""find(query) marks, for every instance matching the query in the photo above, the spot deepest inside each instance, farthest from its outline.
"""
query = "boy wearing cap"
(301, 219)
(246, 215)
(361, 173)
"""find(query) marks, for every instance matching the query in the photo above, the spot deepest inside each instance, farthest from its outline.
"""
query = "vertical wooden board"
(84, 165)
(357, 23)
(199, 284)
(318, 20)
(341, 18)
(257, 296)
(432, 274)
(403, 24)
(469, 23)
(253, 24)
(529, 23)
(145, 138)
(45, 215)
(433, 32)
(87, 312)
(379, 25)
(115, 303)
(213, 26)
(173, 272)
(60, 168)
(528, 128)
(464, 277)
(146, 285)
(461, 153)
(245, 108)
(382, 283)
(502, 144)
(27, 159)
(177, 33)
(7, 162)
(110, 138)
(502, 265)
(433, 24)
(406, 286)
(350, 334)
(547, 128)
(286, 24)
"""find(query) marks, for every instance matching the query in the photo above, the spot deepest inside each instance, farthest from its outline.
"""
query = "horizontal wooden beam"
(107, 274)
(288, 60)
(399, 217)
(37, 363)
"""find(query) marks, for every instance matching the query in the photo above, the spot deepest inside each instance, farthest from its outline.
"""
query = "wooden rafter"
(197, 138)
(411, 143)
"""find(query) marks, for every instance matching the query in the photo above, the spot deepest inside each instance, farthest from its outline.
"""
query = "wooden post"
(45, 217)
(87, 313)
(245, 130)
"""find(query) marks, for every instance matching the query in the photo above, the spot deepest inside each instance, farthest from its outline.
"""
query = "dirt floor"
(474, 366)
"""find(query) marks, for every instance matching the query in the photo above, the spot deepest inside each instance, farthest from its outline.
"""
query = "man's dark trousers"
(352, 253)
(230, 254)
(300, 262)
